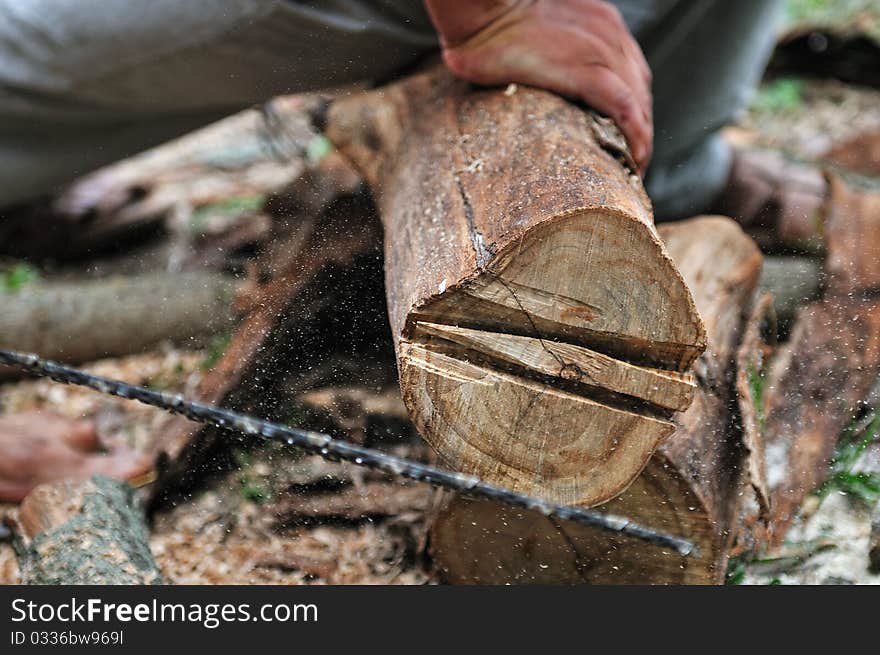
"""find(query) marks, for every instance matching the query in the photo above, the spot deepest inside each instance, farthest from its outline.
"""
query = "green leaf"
(318, 148)
(18, 276)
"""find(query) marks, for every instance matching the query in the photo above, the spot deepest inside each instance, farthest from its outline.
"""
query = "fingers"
(122, 464)
(617, 56)
(13, 492)
(604, 90)
(618, 51)
(81, 435)
(578, 48)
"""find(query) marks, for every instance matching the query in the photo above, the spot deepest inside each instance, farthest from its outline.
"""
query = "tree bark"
(692, 485)
(88, 532)
(543, 335)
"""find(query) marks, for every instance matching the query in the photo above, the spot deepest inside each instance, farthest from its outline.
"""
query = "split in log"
(692, 485)
(86, 532)
(84, 321)
(533, 306)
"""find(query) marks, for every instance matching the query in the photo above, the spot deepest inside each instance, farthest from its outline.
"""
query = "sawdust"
(225, 535)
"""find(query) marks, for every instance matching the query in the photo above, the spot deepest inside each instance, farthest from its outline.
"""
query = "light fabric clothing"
(86, 82)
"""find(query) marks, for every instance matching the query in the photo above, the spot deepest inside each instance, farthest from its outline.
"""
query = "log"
(693, 484)
(84, 532)
(83, 321)
(818, 380)
(860, 155)
(543, 335)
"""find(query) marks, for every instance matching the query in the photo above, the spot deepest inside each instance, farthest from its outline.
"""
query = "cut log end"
(557, 367)
(526, 434)
(84, 532)
(595, 278)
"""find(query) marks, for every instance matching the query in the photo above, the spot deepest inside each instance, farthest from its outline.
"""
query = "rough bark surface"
(91, 532)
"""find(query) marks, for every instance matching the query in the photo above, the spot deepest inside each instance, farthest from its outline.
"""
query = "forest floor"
(281, 518)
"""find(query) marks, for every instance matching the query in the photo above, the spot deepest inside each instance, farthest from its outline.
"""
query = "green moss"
(216, 348)
(757, 382)
(318, 148)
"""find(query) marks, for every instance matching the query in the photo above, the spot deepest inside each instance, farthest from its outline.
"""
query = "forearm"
(458, 20)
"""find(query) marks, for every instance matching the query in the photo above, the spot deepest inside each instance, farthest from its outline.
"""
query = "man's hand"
(37, 447)
(578, 48)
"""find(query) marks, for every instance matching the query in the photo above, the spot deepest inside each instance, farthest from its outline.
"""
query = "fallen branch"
(83, 321)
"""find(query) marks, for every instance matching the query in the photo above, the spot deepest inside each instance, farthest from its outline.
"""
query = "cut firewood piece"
(691, 487)
(518, 214)
(575, 366)
(84, 532)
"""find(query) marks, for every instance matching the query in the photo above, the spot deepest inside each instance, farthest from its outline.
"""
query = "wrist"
(456, 21)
